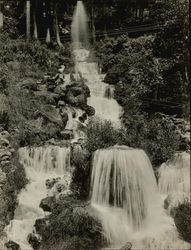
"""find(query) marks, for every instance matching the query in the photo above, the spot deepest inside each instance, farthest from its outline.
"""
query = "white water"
(174, 179)
(79, 28)
(74, 123)
(126, 199)
(124, 190)
(40, 164)
(106, 107)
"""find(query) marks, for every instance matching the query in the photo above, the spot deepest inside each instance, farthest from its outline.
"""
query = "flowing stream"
(41, 164)
(124, 191)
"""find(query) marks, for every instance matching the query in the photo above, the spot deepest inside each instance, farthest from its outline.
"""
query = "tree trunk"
(35, 30)
(1, 14)
(56, 30)
(28, 32)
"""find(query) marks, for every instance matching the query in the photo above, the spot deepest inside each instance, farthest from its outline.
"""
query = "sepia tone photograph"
(95, 125)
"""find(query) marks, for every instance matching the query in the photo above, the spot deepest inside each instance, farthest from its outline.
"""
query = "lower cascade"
(41, 164)
(174, 179)
(126, 199)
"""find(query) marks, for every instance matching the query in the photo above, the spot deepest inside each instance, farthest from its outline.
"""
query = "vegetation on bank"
(182, 219)
(71, 225)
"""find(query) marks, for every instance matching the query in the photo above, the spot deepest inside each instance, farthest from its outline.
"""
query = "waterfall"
(79, 27)
(174, 179)
(100, 93)
(40, 163)
(126, 199)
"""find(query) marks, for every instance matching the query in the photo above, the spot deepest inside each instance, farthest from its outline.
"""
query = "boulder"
(90, 111)
(47, 203)
(83, 117)
(77, 93)
(127, 246)
(61, 104)
(46, 97)
(4, 142)
(29, 84)
(41, 224)
(52, 114)
(34, 240)
(11, 245)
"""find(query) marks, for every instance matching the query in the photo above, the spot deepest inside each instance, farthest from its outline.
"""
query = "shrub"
(71, 225)
(102, 134)
(182, 219)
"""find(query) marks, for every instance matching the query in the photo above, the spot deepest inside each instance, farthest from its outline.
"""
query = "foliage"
(156, 135)
(182, 220)
(172, 45)
(15, 181)
(102, 134)
(71, 226)
(35, 55)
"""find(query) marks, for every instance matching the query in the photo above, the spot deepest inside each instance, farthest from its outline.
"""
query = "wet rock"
(127, 246)
(50, 183)
(4, 142)
(61, 104)
(5, 134)
(89, 110)
(47, 203)
(41, 224)
(64, 116)
(83, 117)
(11, 245)
(34, 241)
(77, 93)
(67, 134)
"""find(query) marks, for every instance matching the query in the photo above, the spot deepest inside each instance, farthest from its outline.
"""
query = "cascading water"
(40, 164)
(174, 179)
(126, 199)
(124, 189)
(100, 93)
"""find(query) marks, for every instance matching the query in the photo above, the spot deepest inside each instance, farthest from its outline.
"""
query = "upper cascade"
(79, 28)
